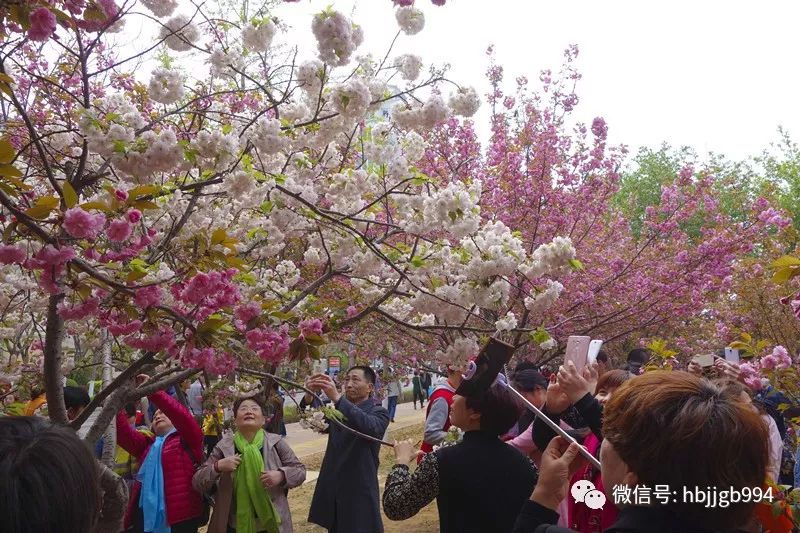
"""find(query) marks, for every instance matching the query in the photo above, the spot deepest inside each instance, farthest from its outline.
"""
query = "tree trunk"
(110, 434)
(53, 380)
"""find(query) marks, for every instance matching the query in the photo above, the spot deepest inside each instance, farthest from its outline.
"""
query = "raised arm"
(130, 440)
(182, 419)
(406, 493)
(373, 423)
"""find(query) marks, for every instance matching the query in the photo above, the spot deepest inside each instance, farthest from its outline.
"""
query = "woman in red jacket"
(162, 499)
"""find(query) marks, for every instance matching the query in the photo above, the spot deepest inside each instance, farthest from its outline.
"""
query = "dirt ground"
(426, 521)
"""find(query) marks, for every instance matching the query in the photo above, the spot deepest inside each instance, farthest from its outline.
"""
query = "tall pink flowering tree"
(548, 176)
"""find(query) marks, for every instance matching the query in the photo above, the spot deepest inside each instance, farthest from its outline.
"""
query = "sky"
(719, 76)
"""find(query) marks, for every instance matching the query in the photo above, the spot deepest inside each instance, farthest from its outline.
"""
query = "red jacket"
(183, 503)
(447, 394)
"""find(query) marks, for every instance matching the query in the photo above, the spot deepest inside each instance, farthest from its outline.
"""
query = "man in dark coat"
(346, 498)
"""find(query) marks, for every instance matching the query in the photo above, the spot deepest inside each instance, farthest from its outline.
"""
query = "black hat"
(482, 372)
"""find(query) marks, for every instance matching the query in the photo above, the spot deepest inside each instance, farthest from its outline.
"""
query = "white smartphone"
(577, 351)
(594, 349)
(732, 355)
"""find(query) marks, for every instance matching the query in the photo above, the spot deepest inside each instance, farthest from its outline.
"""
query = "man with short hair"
(75, 400)
(346, 498)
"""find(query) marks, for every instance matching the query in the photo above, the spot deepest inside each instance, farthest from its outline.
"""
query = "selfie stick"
(555, 427)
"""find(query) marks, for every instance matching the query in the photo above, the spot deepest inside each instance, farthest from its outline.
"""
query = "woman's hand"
(228, 464)
(728, 369)
(272, 478)
(560, 460)
(405, 451)
(575, 384)
(556, 402)
(694, 368)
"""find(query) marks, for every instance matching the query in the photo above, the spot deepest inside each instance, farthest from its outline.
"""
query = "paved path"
(305, 442)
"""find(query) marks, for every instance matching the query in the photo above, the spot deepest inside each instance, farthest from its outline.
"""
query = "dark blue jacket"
(346, 498)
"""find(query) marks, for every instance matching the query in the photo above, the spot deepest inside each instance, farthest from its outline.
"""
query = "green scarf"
(252, 500)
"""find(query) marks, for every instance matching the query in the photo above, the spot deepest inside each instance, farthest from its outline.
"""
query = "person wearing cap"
(479, 484)
(533, 386)
(437, 417)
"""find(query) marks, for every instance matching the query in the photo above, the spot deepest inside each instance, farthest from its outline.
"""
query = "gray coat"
(346, 497)
(278, 455)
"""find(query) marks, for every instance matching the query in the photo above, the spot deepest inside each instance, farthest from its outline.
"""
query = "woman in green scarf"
(253, 471)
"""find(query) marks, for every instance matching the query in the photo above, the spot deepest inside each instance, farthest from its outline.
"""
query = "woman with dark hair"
(252, 471)
(162, 498)
(458, 476)
(670, 429)
(48, 478)
(533, 386)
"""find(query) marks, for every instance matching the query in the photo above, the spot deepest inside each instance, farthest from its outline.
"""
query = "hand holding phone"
(577, 351)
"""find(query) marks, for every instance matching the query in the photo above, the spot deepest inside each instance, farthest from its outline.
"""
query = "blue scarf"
(151, 498)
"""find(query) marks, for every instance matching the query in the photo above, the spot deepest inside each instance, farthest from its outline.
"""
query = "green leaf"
(9, 232)
(785, 274)
(7, 152)
(70, 196)
(10, 170)
(100, 206)
(786, 261)
(42, 207)
(143, 190)
(576, 265)
(218, 237)
(539, 336)
(211, 324)
(18, 183)
(144, 204)
(417, 261)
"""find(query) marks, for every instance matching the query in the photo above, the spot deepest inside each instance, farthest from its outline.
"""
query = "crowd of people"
(175, 468)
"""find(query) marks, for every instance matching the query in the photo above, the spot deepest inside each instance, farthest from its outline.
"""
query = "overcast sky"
(716, 75)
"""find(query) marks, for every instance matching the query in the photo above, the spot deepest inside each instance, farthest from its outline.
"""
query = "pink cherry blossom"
(134, 216)
(119, 230)
(149, 296)
(311, 327)
(163, 339)
(10, 254)
(121, 195)
(43, 24)
(352, 311)
(769, 362)
(79, 311)
(82, 224)
(269, 344)
(245, 313)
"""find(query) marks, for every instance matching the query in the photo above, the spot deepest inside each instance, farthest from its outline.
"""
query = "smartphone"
(705, 360)
(594, 349)
(732, 355)
(577, 351)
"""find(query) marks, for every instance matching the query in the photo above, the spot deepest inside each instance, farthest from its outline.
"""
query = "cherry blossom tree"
(210, 200)
(549, 176)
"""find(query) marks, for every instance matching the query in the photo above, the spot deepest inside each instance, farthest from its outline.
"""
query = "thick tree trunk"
(53, 380)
